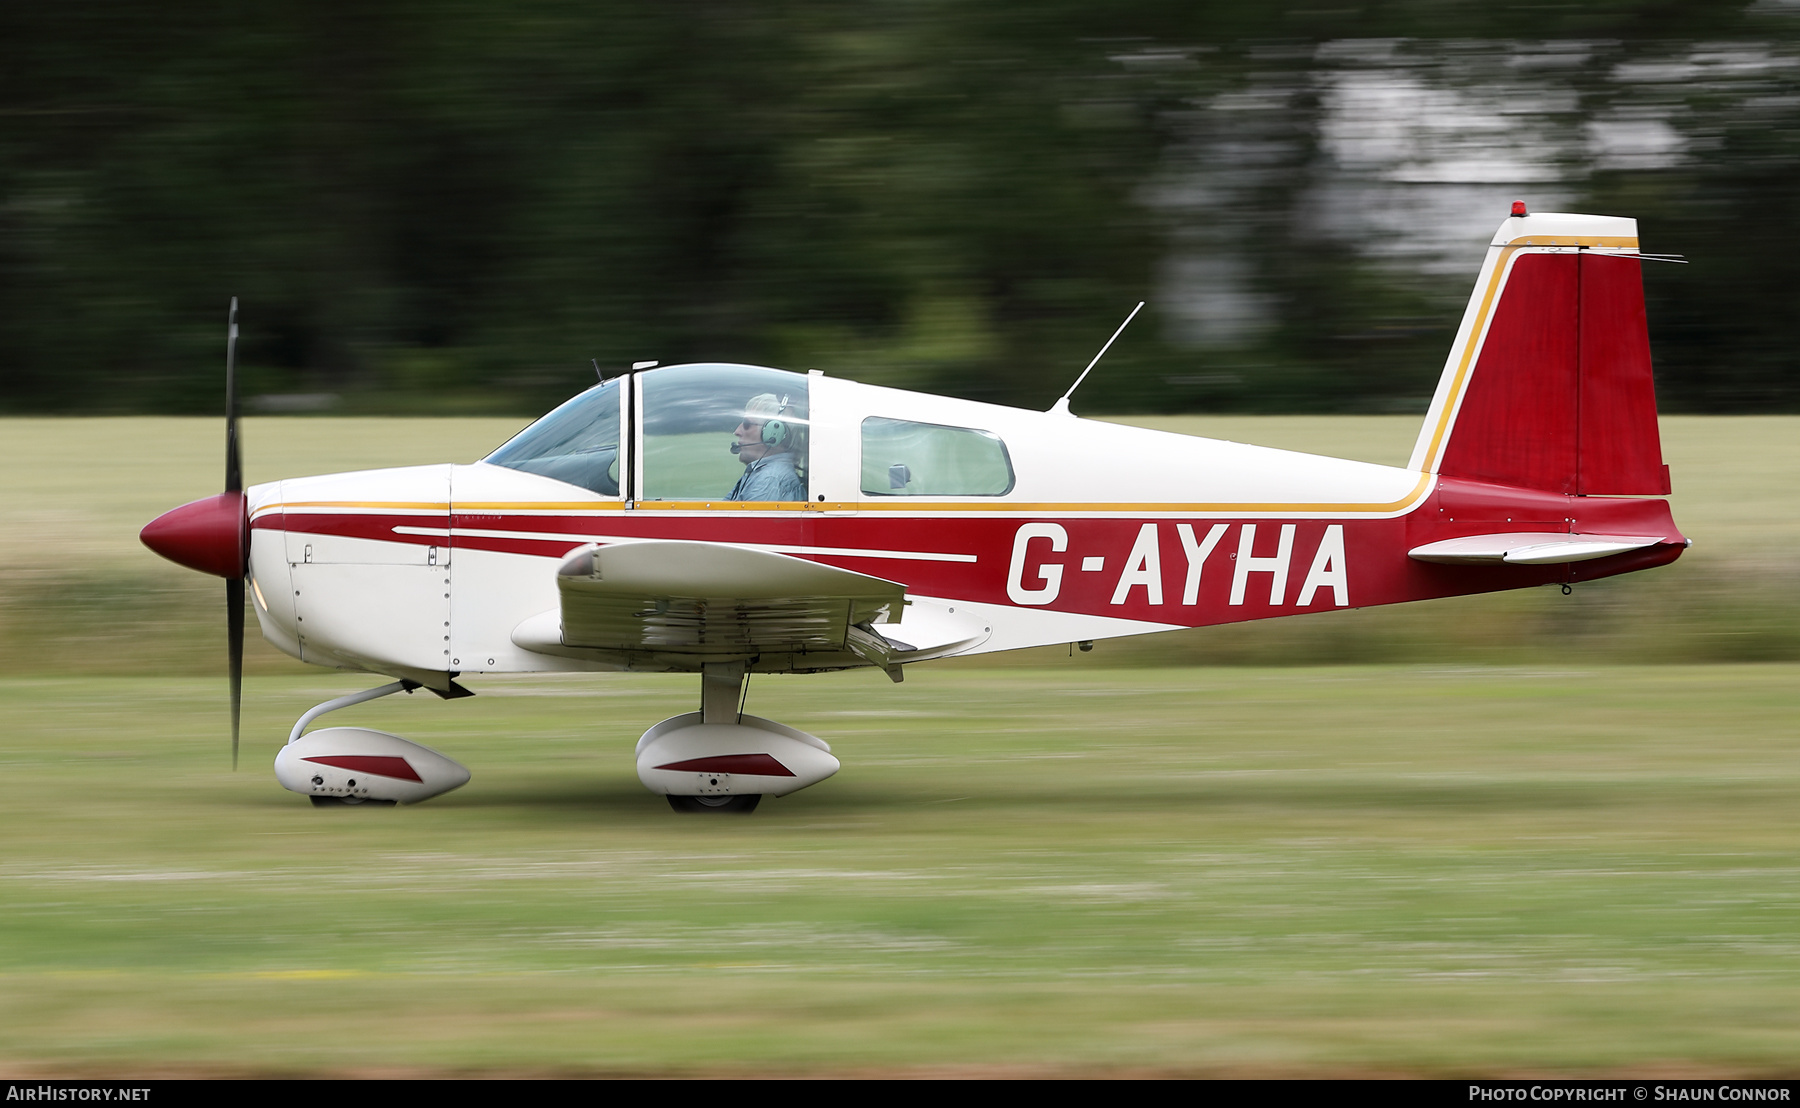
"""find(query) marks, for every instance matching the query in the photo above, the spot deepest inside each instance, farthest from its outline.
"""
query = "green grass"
(1736, 478)
(1435, 871)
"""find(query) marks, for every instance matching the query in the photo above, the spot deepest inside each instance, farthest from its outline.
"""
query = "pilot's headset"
(775, 430)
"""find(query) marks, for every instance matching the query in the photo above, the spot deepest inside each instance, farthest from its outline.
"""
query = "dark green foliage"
(454, 205)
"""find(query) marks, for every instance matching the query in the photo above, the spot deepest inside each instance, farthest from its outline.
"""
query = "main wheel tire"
(348, 801)
(744, 804)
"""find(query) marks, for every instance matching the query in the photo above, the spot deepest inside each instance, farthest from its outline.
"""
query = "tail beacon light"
(752, 757)
(354, 765)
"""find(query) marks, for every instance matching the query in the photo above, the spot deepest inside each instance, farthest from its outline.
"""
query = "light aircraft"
(726, 520)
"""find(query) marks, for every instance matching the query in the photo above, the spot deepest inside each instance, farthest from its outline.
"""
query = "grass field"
(1060, 866)
(1296, 871)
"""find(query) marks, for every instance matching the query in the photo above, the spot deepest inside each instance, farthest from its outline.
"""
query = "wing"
(682, 604)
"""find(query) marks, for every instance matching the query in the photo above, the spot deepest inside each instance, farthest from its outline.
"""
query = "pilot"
(765, 444)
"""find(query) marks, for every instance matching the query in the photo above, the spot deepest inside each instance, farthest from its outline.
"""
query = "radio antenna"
(1063, 404)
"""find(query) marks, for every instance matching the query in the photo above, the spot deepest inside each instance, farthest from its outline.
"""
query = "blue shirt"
(771, 477)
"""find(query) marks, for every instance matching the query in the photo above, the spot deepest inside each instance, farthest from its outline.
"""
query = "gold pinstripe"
(897, 505)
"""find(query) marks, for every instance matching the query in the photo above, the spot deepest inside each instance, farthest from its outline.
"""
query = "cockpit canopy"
(710, 432)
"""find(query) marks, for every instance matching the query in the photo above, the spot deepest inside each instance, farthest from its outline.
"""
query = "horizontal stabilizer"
(1528, 548)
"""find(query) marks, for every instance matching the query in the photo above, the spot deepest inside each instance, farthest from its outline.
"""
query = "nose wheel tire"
(744, 804)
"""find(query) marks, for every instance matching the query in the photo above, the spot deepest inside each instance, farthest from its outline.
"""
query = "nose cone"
(210, 535)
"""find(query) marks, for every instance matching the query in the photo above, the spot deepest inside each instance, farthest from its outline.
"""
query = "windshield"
(724, 432)
(577, 443)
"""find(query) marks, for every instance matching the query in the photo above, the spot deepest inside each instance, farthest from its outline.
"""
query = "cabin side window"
(578, 443)
(903, 458)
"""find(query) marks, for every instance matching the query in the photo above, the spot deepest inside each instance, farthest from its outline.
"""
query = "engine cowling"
(356, 763)
(682, 756)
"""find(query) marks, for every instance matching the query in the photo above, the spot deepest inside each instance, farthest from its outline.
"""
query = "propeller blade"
(234, 630)
(234, 472)
(234, 483)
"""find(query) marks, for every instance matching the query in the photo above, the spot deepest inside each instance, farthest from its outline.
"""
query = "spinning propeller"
(213, 535)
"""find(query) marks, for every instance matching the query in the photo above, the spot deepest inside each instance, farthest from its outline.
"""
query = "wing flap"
(1528, 548)
(712, 599)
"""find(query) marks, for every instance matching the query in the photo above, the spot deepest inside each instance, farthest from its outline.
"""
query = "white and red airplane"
(728, 519)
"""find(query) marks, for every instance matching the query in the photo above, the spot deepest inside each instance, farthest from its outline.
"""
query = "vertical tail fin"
(1548, 385)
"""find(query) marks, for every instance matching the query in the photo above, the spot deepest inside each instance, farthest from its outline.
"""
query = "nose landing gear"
(354, 765)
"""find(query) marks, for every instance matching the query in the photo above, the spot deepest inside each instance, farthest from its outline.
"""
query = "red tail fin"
(1549, 383)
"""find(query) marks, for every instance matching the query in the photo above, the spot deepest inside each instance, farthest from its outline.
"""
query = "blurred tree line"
(454, 205)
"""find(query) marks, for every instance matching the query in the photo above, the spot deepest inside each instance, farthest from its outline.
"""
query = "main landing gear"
(720, 760)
